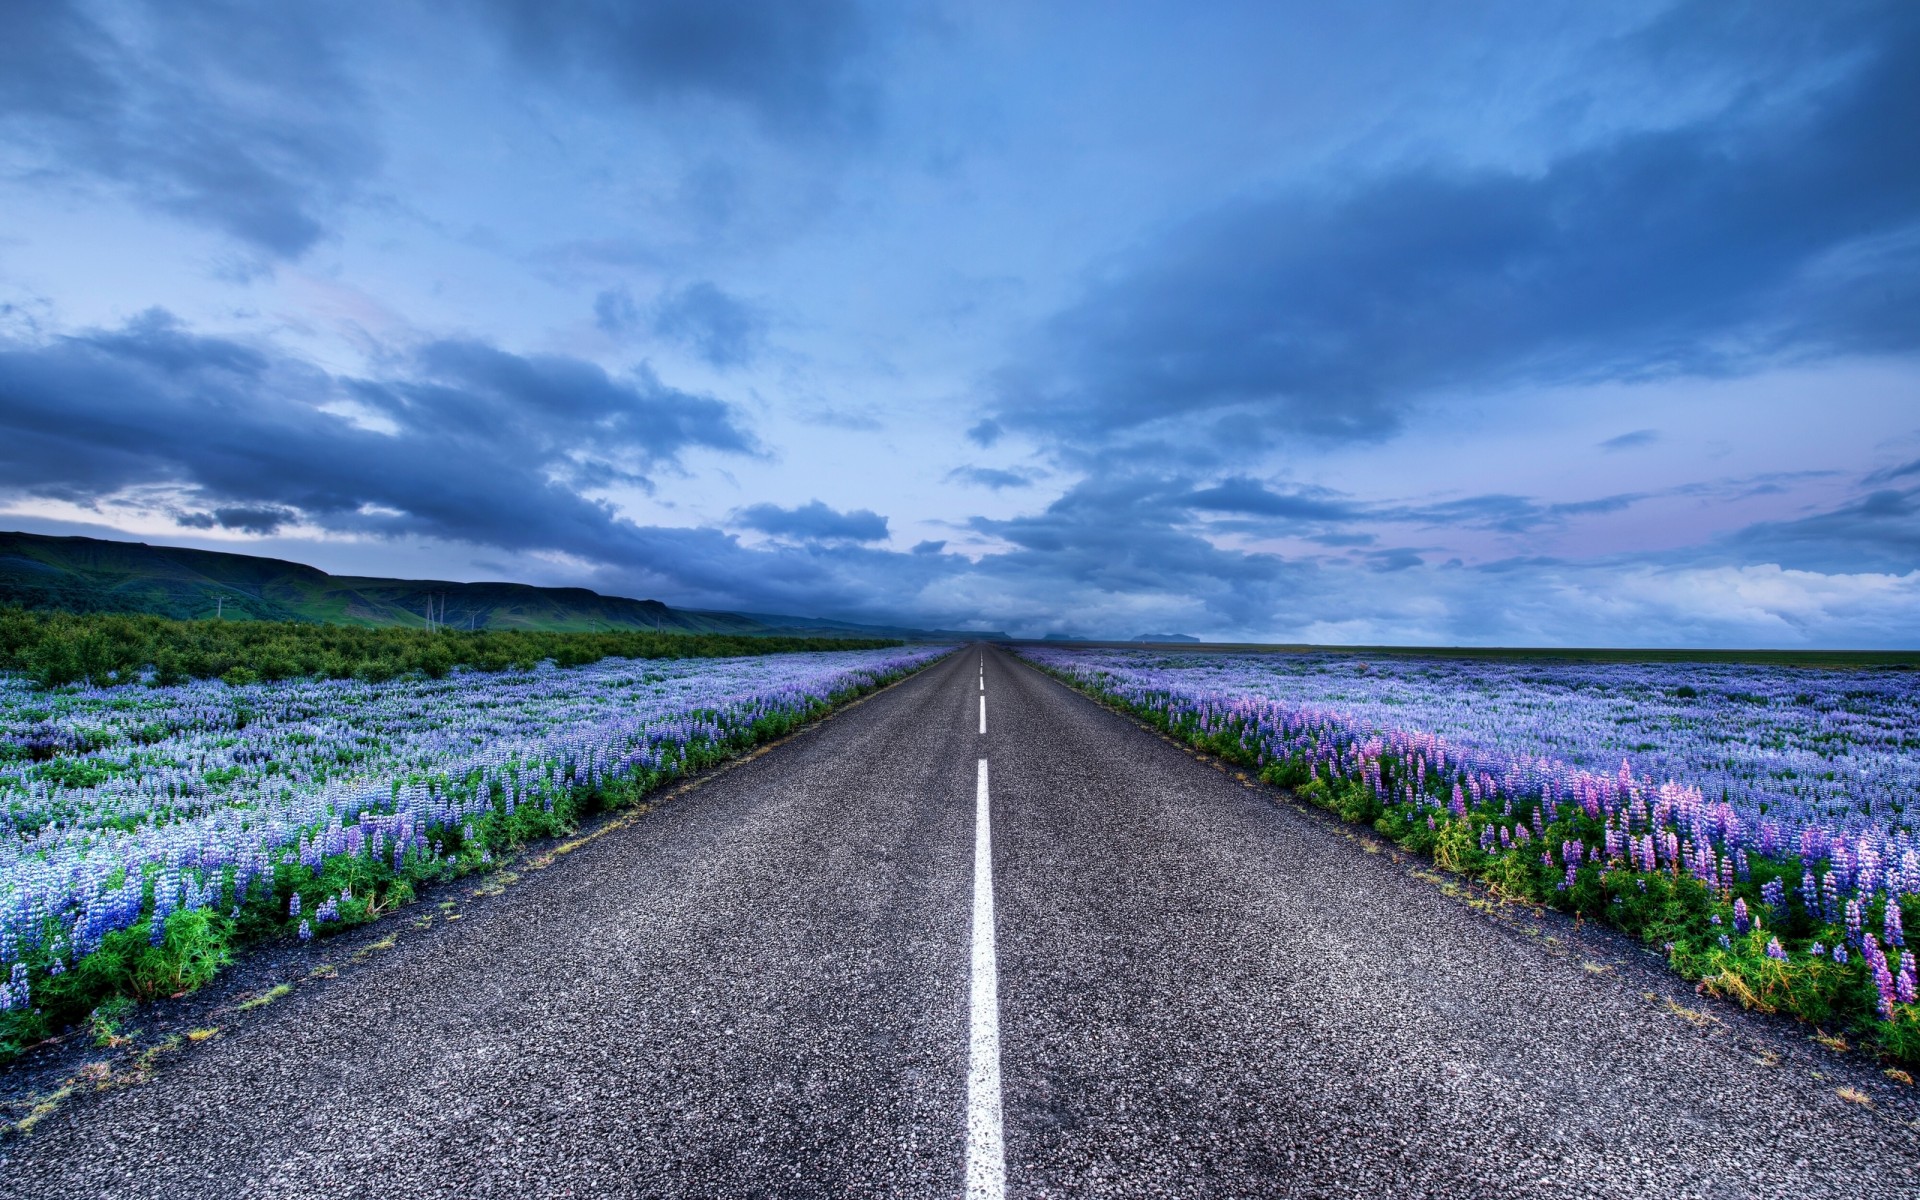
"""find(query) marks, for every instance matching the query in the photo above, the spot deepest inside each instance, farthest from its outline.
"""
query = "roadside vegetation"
(104, 650)
(1773, 859)
(147, 835)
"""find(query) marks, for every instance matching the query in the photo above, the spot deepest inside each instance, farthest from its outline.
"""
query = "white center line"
(983, 714)
(986, 1153)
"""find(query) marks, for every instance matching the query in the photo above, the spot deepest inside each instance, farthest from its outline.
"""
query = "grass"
(267, 997)
(42, 1110)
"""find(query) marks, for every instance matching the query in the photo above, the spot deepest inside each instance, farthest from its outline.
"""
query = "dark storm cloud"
(815, 522)
(1890, 474)
(470, 390)
(990, 477)
(1237, 498)
(1248, 497)
(261, 521)
(723, 330)
(1879, 531)
(615, 312)
(484, 446)
(1782, 226)
(1503, 513)
(1631, 441)
(1394, 560)
(1115, 537)
(238, 117)
(789, 62)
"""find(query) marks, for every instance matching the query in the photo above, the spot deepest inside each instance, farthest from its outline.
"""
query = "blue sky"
(1521, 323)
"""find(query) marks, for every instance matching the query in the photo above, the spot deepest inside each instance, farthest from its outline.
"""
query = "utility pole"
(219, 607)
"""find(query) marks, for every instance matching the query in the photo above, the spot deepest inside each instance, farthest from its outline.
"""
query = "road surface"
(803, 978)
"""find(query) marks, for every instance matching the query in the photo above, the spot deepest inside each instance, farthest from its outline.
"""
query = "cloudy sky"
(1486, 322)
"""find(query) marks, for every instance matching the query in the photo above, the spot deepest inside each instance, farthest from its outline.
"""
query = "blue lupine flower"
(1773, 893)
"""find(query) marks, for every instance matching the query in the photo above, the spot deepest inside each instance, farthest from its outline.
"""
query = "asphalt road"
(769, 986)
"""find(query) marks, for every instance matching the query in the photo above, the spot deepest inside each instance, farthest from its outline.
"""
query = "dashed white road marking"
(983, 714)
(986, 1150)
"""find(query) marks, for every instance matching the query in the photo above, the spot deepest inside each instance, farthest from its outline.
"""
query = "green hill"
(80, 574)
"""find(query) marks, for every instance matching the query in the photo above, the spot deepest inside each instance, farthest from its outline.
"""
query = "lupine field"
(146, 832)
(1755, 824)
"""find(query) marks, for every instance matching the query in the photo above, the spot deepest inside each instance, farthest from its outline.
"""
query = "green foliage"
(101, 988)
(74, 772)
(55, 649)
(108, 1023)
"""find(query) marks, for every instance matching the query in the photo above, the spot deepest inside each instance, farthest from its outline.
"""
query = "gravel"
(761, 988)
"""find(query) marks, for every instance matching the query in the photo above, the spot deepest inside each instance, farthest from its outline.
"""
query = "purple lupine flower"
(1905, 986)
(1882, 977)
(1726, 943)
(1776, 950)
(1741, 921)
(1840, 954)
(1853, 921)
(1818, 950)
(306, 932)
(1895, 935)
(293, 906)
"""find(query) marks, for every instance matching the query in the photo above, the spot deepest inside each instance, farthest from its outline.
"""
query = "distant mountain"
(80, 574)
(1166, 637)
